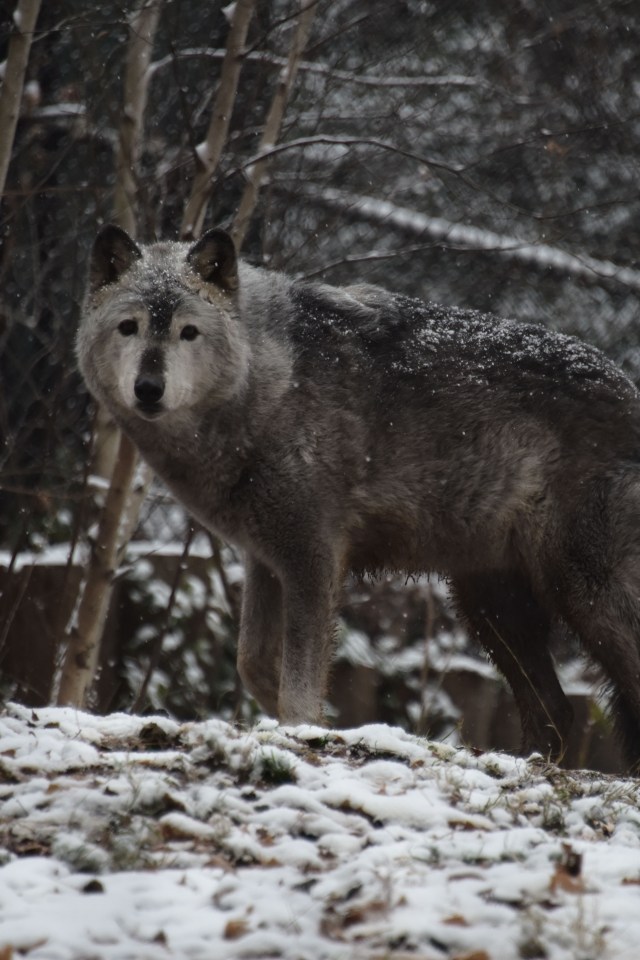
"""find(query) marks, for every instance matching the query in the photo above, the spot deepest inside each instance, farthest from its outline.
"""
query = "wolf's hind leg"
(261, 634)
(608, 623)
(508, 621)
(600, 577)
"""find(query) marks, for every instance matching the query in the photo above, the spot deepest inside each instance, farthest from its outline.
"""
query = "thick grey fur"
(325, 430)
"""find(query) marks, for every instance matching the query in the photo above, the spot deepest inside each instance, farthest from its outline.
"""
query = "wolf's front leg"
(310, 599)
(260, 640)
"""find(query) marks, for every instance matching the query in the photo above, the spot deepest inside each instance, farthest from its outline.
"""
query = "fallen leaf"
(266, 839)
(566, 875)
(464, 824)
(338, 918)
(271, 862)
(455, 920)
(216, 860)
(474, 955)
(30, 847)
(234, 929)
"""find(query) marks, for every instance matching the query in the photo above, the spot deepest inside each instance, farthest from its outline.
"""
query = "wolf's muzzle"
(149, 390)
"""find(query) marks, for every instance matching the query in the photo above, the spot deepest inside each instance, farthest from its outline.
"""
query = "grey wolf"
(325, 430)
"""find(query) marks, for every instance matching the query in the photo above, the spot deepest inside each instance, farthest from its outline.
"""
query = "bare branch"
(24, 20)
(140, 486)
(156, 649)
(541, 256)
(209, 152)
(342, 76)
(273, 123)
(322, 139)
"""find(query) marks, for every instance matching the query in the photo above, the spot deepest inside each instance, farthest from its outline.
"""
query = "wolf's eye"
(189, 332)
(128, 327)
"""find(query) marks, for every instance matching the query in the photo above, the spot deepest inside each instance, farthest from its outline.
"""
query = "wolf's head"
(160, 333)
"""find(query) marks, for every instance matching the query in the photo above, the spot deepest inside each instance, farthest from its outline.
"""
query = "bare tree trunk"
(104, 448)
(81, 659)
(122, 506)
(144, 24)
(142, 29)
(273, 124)
(24, 20)
(210, 150)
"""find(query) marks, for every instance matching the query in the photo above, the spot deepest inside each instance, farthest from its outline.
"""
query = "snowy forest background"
(484, 155)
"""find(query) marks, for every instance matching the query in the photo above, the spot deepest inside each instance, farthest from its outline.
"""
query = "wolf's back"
(404, 352)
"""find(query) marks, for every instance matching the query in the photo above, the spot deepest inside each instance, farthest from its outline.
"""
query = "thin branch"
(156, 651)
(422, 727)
(8, 574)
(208, 153)
(322, 139)
(24, 21)
(140, 486)
(273, 123)
(371, 256)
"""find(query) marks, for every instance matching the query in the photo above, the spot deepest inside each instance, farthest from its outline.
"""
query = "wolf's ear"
(213, 257)
(113, 252)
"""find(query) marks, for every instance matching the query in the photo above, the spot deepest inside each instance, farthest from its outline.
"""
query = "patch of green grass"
(274, 768)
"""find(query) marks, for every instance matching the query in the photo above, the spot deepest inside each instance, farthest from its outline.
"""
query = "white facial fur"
(214, 365)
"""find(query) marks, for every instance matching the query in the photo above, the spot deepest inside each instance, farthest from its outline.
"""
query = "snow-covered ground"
(128, 838)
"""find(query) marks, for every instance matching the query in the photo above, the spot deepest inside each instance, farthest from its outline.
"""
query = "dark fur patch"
(162, 306)
(406, 340)
(152, 362)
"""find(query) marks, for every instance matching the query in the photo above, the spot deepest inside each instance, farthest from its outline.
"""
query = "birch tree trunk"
(82, 654)
(122, 505)
(210, 150)
(24, 21)
(142, 29)
(273, 124)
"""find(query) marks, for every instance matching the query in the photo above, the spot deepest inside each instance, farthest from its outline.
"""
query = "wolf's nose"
(149, 388)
